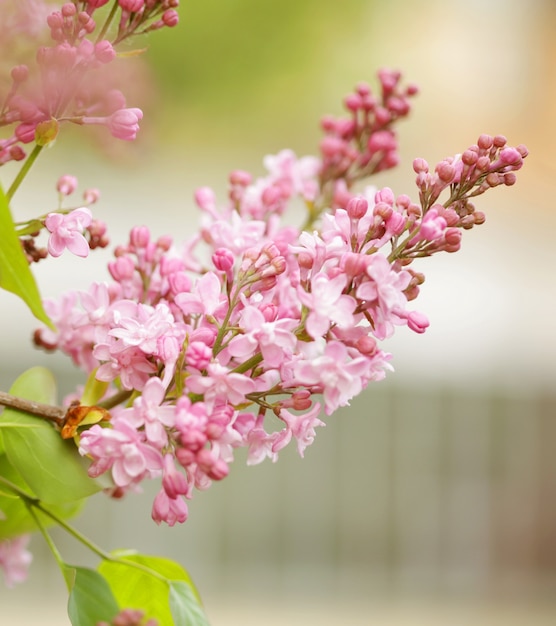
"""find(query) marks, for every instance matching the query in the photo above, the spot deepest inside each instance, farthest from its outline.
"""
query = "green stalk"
(23, 171)
(31, 502)
(108, 21)
(52, 546)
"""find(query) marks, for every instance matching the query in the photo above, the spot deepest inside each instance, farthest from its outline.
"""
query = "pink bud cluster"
(357, 146)
(241, 335)
(63, 86)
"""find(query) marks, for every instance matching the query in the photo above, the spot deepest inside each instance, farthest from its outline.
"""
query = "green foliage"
(17, 519)
(185, 609)
(51, 467)
(287, 37)
(91, 600)
(161, 588)
(15, 275)
(94, 390)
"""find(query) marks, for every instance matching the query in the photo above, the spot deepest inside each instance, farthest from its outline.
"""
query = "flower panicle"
(245, 334)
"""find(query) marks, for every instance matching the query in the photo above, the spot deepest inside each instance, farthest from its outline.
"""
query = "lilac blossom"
(15, 559)
(242, 336)
(66, 231)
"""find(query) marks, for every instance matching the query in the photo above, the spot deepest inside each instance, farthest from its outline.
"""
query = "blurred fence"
(409, 493)
(408, 490)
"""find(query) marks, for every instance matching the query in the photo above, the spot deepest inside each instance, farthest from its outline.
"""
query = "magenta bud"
(139, 237)
(420, 165)
(240, 177)
(363, 89)
(357, 207)
(69, 9)
(352, 102)
(417, 322)
(469, 157)
(66, 185)
(91, 195)
(205, 198)
(20, 73)
(485, 142)
(445, 171)
(510, 156)
(122, 268)
(223, 259)
(269, 311)
(170, 18)
(104, 51)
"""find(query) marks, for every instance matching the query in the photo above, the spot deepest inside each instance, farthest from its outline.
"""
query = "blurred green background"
(432, 500)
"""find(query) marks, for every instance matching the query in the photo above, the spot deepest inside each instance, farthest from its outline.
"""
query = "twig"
(46, 411)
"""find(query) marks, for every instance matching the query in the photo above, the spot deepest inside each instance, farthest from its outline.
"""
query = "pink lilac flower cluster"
(243, 335)
(15, 559)
(63, 86)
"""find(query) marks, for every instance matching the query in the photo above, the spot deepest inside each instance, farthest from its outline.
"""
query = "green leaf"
(184, 606)
(150, 592)
(94, 390)
(16, 519)
(15, 274)
(91, 600)
(51, 466)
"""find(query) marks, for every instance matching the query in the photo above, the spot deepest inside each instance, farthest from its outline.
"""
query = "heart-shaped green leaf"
(184, 605)
(91, 600)
(151, 592)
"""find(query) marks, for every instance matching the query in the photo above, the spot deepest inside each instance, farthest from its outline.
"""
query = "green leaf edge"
(15, 274)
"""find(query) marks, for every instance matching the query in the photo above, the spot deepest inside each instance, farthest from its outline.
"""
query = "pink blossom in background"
(15, 559)
(66, 231)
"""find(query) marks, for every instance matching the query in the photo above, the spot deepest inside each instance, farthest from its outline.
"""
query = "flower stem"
(52, 546)
(23, 171)
(31, 502)
(108, 21)
(117, 398)
(46, 411)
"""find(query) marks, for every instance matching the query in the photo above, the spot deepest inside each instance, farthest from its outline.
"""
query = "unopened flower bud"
(240, 177)
(104, 51)
(122, 268)
(223, 259)
(66, 185)
(170, 18)
(91, 196)
(485, 142)
(19, 73)
(139, 237)
(205, 198)
(357, 207)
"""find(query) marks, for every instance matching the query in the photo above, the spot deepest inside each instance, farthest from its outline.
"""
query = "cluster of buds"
(64, 84)
(242, 335)
(364, 142)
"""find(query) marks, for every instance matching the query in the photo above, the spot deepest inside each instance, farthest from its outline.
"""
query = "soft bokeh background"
(432, 500)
